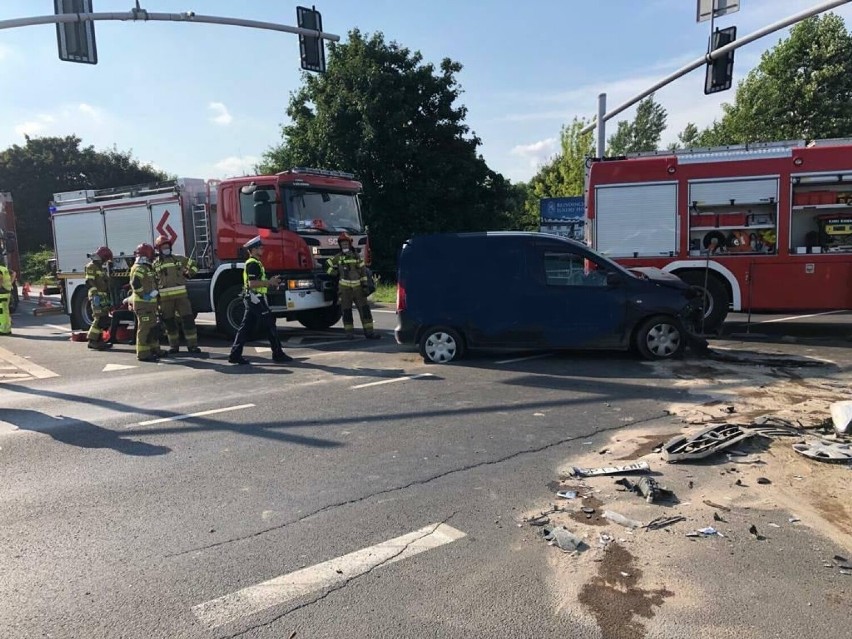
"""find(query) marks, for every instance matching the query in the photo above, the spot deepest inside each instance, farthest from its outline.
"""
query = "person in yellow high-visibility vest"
(172, 273)
(352, 286)
(7, 279)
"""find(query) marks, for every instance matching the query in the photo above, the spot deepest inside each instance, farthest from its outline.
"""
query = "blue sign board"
(559, 209)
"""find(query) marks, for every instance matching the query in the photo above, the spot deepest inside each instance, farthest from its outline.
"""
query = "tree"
(564, 175)
(48, 165)
(382, 113)
(686, 139)
(801, 89)
(643, 133)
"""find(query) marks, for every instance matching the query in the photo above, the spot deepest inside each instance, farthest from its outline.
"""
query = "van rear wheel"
(441, 345)
(660, 337)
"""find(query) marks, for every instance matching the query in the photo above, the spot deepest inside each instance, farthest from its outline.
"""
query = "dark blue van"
(461, 291)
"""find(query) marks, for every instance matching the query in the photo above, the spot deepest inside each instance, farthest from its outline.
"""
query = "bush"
(34, 265)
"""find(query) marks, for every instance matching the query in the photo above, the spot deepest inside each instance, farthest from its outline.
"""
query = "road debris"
(712, 504)
(703, 443)
(793, 520)
(763, 481)
(647, 487)
(637, 467)
(836, 453)
(709, 531)
(563, 539)
(621, 520)
(567, 494)
(753, 530)
(663, 522)
(841, 416)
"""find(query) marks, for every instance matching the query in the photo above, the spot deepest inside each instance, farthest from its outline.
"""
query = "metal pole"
(718, 53)
(601, 147)
(143, 16)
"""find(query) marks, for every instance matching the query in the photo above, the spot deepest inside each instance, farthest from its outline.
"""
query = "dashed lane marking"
(797, 317)
(116, 367)
(327, 574)
(28, 369)
(203, 413)
(64, 329)
(395, 379)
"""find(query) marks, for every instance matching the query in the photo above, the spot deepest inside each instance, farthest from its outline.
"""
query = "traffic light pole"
(143, 16)
(709, 57)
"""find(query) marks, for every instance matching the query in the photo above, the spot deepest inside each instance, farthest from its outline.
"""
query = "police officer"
(143, 282)
(352, 287)
(255, 286)
(172, 273)
(6, 279)
(97, 285)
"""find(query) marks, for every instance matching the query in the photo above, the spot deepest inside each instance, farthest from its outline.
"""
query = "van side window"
(570, 269)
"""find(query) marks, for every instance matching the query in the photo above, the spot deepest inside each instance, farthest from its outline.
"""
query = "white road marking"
(262, 349)
(796, 317)
(381, 310)
(200, 414)
(523, 359)
(392, 381)
(33, 369)
(294, 340)
(116, 367)
(279, 590)
(64, 329)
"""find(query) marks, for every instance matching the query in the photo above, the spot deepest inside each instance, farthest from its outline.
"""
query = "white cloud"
(35, 127)
(62, 120)
(94, 113)
(538, 152)
(235, 165)
(219, 114)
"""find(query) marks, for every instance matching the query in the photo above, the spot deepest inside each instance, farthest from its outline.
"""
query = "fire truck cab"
(299, 214)
(761, 227)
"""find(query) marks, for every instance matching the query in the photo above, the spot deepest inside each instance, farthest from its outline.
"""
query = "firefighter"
(97, 285)
(6, 279)
(255, 287)
(172, 273)
(143, 281)
(352, 287)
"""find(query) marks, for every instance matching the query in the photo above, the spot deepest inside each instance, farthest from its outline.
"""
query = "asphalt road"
(380, 494)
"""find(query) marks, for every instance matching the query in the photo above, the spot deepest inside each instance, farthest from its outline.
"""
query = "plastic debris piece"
(703, 443)
(832, 453)
(649, 489)
(567, 494)
(638, 467)
(604, 539)
(763, 481)
(793, 520)
(563, 538)
(625, 574)
(774, 525)
(717, 517)
(662, 522)
(588, 510)
(753, 530)
(717, 506)
(620, 519)
(841, 416)
(709, 530)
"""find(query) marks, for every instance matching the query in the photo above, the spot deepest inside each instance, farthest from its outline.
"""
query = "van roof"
(531, 234)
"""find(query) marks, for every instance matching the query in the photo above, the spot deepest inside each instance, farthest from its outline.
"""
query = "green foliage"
(385, 115)
(686, 139)
(643, 133)
(44, 166)
(34, 265)
(562, 176)
(802, 89)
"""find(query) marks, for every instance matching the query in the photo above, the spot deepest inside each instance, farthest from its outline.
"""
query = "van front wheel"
(660, 337)
(440, 345)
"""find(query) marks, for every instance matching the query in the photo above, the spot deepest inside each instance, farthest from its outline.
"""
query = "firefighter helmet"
(144, 250)
(344, 237)
(162, 239)
(103, 253)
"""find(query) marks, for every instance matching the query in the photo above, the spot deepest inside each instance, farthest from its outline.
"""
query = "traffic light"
(720, 72)
(312, 48)
(76, 40)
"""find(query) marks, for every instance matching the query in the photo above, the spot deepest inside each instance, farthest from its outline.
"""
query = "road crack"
(416, 482)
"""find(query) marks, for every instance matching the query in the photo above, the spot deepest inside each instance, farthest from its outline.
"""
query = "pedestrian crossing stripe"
(21, 368)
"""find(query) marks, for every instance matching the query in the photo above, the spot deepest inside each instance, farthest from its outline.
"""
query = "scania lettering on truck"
(299, 214)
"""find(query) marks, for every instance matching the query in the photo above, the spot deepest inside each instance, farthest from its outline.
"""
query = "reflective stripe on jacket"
(143, 280)
(172, 272)
(97, 281)
(351, 270)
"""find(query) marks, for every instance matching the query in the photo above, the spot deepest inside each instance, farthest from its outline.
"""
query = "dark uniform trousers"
(257, 318)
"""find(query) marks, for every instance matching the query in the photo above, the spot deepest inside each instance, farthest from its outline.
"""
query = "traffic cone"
(25, 290)
(41, 301)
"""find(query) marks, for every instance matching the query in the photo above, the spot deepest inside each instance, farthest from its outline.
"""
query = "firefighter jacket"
(143, 281)
(172, 272)
(97, 280)
(5, 280)
(349, 268)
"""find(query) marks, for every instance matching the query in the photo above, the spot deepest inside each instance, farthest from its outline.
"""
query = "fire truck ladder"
(201, 227)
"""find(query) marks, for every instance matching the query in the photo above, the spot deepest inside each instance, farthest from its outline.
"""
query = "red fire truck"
(760, 227)
(299, 214)
(9, 243)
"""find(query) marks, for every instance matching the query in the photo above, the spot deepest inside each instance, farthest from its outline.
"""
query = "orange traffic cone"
(25, 290)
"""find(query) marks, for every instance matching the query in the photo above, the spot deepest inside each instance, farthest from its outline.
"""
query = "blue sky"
(207, 100)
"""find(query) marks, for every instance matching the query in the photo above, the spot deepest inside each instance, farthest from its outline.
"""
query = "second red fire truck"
(762, 227)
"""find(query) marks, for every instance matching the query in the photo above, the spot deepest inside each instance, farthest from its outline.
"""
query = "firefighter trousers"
(100, 318)
(5, 314)
(177, 316)
(355, 295)
(147, 334)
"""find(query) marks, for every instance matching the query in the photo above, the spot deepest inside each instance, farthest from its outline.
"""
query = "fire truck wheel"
(716, 298)
(229, 311)
(320, 318)
(660, 337)
(81, 311)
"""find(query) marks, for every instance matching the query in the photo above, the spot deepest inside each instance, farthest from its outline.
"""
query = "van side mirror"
(613, 279)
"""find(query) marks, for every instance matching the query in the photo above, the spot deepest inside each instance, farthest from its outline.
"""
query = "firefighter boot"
(97, 345)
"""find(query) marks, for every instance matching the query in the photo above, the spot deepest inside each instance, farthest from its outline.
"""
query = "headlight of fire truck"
(295, 284)
(315, 250)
